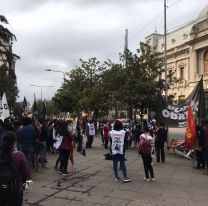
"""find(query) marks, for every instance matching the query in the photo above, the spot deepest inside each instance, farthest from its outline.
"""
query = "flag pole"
(165, 52)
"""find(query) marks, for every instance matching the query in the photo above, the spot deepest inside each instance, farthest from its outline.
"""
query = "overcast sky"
(57, 33)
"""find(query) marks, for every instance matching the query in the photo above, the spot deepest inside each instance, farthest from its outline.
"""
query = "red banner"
(190, 135)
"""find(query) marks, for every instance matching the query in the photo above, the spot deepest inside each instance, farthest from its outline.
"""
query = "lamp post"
(52, 70)
(41, 89)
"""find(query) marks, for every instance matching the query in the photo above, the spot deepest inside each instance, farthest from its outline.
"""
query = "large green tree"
(7, 61)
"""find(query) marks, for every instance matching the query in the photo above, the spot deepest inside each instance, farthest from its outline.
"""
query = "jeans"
(147, 161)
(119, 158)
(28, 151)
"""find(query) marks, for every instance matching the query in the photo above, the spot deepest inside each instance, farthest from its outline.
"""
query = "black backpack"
(9, 183)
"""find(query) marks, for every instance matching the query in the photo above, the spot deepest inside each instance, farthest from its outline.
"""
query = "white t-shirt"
(117, 141)
(91, 129)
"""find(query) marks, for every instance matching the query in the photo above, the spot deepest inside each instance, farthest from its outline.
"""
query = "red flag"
(190, 135)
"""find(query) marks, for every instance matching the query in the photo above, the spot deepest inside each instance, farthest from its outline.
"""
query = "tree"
(7, 61)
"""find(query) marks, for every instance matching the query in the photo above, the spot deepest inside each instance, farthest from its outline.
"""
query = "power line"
(150, 22)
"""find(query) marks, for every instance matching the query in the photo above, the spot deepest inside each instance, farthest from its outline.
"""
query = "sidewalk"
(92, 183)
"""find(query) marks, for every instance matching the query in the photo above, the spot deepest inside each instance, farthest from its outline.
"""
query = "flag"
(176, 115)
(34, 105)
(190, 134)
(25, 108)
(4, 108)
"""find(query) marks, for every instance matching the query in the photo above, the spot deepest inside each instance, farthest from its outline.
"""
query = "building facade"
(187, 54)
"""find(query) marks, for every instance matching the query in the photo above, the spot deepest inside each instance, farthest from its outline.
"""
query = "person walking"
(145, 148)
(117, 138)
(17, 165)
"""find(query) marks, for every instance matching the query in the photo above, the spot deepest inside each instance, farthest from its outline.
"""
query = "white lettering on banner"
(173, 115)
(181, 116)
(5, 106)
(179, 113)
(165, 113)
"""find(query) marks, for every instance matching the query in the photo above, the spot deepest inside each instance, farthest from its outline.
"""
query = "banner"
(25, 109)
(176, 115)
(190, 134)
(4, 108)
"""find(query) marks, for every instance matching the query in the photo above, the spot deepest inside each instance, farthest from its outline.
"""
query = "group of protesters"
(27, 141)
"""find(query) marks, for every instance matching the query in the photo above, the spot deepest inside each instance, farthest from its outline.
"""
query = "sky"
(55, 34)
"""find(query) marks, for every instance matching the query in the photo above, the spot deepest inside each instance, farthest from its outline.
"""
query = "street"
(92, 183)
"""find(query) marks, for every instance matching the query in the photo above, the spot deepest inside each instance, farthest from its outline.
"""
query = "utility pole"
(165, 52)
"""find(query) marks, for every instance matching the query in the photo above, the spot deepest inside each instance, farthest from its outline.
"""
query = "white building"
(187, 54)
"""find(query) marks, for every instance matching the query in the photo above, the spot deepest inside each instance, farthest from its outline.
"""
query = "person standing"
(26, 137)
(146, 141)
(204, 138)
(90, 132)
(18, 166)
(65, 146)
(117, 136)
(159, 142)
(106, 130)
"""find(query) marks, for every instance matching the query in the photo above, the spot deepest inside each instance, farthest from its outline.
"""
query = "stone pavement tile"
(197, 203)
(148, 195)
(80, 203)
(178, 181)
(66, 194)
(177, 188)
(124, 194)
(80, 187)
(140, 203)
(92, 198)
(116, 201)
(53, 201)
(38, 194)
(173, 202)
(200, 196)
(175, 194)
(101, 191)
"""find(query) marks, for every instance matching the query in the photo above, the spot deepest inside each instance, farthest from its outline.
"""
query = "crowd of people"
(24, 145)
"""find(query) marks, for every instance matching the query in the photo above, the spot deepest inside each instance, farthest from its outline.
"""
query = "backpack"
(145, 148)
(9, 183)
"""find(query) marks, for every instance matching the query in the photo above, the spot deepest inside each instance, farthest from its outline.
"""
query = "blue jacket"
(26, 135)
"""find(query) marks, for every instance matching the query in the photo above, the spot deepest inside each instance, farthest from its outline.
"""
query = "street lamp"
(52, 70)
(41, 88)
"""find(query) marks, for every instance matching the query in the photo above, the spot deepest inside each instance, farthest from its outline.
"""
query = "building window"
(181, 72)
(170, 74)
(206, 62)
(181, 99)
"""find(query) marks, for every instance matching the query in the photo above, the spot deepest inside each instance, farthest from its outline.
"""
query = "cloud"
(57, 33)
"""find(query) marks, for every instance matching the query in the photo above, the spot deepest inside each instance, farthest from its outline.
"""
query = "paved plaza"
(92, 183)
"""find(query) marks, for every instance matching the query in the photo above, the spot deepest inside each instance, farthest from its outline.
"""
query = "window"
(206, 62)
(181, 72)
(170, 75)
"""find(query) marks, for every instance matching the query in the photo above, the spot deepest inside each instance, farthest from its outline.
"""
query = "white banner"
(4, 108)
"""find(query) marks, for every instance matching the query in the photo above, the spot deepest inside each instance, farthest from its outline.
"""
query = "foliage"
(134, 84)
(8, 85)
(7, 60)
